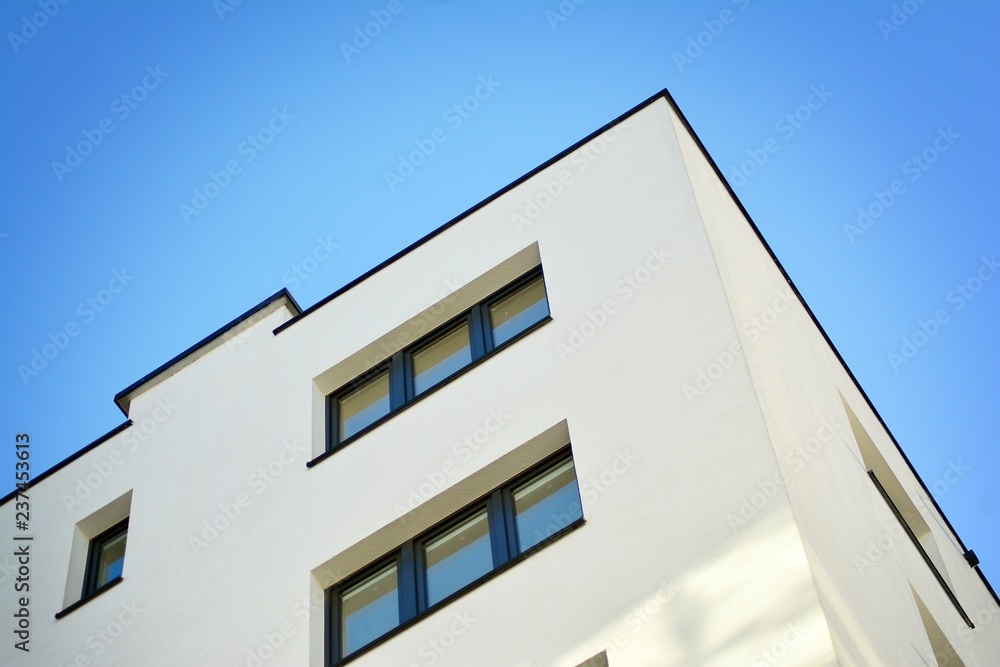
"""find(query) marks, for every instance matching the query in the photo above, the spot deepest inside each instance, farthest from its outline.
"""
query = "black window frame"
(333, 401)
(920, 548)
(91, 587)
(411, 569)
(400, 365)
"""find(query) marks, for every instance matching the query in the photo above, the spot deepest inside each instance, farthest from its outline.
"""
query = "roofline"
(121, 397)
(300, 314)
(665, 94)
(66, 461)
(461, 216)
(826, 337)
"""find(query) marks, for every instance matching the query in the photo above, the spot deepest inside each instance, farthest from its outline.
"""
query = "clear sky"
(169, 165)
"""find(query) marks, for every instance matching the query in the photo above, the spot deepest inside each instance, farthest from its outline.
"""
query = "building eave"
(281, 298)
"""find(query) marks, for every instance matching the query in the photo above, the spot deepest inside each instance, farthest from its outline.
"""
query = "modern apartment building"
(587, 422)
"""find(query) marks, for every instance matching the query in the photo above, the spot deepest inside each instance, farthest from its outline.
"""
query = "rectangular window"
(920, 549)
(454, 556)
(369, 609)
(457, 557)
(439, 356)
(105, 559)
(546, 504)
(364, 405)
(524, 306)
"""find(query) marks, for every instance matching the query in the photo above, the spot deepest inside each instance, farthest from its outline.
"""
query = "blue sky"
(140, 217)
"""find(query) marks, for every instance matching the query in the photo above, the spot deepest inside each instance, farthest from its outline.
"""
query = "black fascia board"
(664, 94)
(282, 293)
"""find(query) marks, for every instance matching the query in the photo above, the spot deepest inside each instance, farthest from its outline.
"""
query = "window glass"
(111, 559)
(512, 314)
(458, 557)
(369, 609)
(364, 405)
(105, 558)
(546, 504)
(440, 358)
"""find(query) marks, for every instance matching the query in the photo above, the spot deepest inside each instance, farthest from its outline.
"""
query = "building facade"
(587, 422)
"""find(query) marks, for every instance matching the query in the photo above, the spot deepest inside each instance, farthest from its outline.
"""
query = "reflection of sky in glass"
(114, 569)
(514, 313)
(364, 406)
(458, 557)
(369, 610)
(112, 559)
(444, 356)
(547, 504)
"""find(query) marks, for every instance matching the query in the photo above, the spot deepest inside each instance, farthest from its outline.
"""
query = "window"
(440, 358)
(546, 503)
(902, 507)
(458, 557)
(518, 310)
(920, 548)
(454, 556)
(370, 608)
(436, 358)
(360, 407)
(105, 559)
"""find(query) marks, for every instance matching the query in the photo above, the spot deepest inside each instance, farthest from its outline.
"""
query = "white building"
(588, 421)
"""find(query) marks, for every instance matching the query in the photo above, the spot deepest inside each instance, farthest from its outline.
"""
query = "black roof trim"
(812, 316)
(69, 459)
(664, 94)
(283, 293)
(458, 218)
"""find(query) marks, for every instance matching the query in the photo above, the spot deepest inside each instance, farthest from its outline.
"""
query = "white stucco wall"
(860, 557)
(650, 279)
